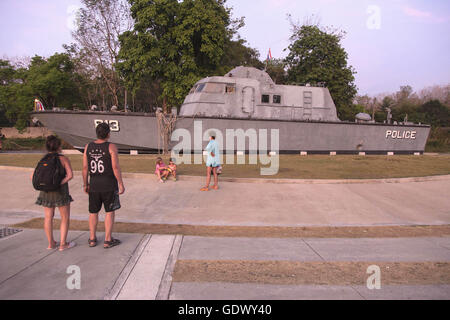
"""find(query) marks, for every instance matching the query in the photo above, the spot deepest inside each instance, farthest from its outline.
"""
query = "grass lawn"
(24, 144)
(291, 166)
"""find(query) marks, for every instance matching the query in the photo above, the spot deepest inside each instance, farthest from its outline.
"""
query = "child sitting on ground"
(161, 170)
(173, 169)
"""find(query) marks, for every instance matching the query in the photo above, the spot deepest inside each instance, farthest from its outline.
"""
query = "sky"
(390, 43)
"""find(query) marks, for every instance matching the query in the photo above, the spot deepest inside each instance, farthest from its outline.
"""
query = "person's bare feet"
(216, 187)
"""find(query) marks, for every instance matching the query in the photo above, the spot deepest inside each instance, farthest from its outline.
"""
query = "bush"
(439, 140)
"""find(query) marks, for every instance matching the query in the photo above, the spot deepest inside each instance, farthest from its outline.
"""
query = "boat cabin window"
(200, 87)
(265, 98)
(307, 99)
(277, 99)
(210, 87)
(193, 90)
(230, 88)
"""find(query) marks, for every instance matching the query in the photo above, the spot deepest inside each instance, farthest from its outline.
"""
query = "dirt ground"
(259, 232)
(310, 273)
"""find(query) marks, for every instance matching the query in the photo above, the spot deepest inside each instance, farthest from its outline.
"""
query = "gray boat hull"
(140, 132)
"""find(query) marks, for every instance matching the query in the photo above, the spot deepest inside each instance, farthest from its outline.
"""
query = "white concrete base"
(273, 153)
(240, 153)
(333, 153)
(134, 152)
(362, 153)
(303, 153)
(144, 281)
(390, 154)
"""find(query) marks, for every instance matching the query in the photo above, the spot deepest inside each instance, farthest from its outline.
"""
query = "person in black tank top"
(100, 168)
(103, 182)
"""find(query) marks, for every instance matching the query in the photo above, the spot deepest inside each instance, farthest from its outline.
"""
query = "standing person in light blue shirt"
(212, 163)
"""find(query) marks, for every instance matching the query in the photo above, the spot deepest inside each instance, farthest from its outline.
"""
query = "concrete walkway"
(249, 204)
(149, 267)
(143, 266)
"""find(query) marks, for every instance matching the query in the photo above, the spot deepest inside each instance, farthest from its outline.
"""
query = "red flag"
(269, 55)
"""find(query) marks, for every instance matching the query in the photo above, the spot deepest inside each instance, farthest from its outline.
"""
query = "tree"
(50, 80)
(7, 72)
(238, 54)
(364, 100)
(404, 93)
(316, 56)
(349, 112)
(100, 23)
(386, 103)
(276, 69)
(9, 85)
(435, 113)
(175, 43)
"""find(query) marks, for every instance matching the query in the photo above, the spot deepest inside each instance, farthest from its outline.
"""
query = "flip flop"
(69, 245)
(92, 243)
(204, 189)
(215, 188)
(112, 243)
(55, 247)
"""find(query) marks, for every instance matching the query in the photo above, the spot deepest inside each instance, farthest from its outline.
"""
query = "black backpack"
(49, 173)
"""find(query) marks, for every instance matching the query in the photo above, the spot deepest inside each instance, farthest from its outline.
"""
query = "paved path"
(143, 267)
(249, 204)
(154, 266)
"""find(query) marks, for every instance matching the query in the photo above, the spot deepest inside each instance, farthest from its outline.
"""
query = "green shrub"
(439, 140)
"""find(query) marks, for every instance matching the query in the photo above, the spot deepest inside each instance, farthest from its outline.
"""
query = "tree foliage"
(50, 80)
(427, 106)
(276, 68)
(99, 25)
(175, 43)
(435, 113)
(158, 49)
(316, 56)
(238, 54)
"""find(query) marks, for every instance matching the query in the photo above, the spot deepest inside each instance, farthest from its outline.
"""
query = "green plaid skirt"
(55, 199)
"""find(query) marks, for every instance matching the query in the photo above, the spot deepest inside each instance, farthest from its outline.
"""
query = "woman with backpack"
(53, 173)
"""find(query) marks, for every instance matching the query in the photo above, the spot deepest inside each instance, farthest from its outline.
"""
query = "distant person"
(212, 164)
(105, 184)
(161, 170)
(60, 198)
(172, 168)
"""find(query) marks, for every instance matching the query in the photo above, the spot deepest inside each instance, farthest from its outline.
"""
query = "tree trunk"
(165, 108)
(126, 98)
